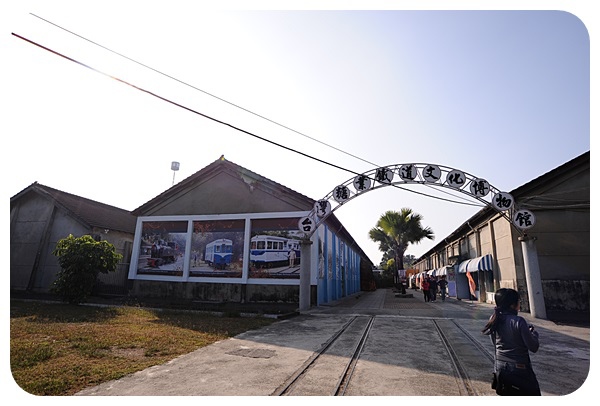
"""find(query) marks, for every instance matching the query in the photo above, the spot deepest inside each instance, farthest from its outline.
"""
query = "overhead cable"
(204, 91)
(217, 120)
(230, 103)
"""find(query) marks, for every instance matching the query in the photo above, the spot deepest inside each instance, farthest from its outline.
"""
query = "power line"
(217, 120)
(203, 91)
(239, 107)
(181, 105)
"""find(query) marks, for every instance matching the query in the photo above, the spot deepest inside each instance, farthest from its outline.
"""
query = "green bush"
(81, 260)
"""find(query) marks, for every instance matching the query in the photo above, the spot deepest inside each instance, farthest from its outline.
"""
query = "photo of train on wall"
(162, 248)
(162, 253)
(274, 257)
(218, 253)
(268, 251)
(217, 249)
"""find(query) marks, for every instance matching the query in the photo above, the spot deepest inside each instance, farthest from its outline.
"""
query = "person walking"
(425, 288)
(433, 286)
(513, 338)
(443, 285)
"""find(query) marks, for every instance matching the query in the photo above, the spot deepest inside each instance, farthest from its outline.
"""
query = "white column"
(305, 261)
(533, 278)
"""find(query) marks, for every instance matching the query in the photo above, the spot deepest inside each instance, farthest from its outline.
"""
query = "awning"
(441, 271)
(483, 263)
(431, 272)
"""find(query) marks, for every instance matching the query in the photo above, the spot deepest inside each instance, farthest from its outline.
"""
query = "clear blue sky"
(503, 95)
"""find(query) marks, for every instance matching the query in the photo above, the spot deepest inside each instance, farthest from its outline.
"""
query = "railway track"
(465, 356)
(329, 371)
(336, 360)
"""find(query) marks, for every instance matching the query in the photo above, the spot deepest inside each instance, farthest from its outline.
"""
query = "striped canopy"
(483, 263)
(441, 271)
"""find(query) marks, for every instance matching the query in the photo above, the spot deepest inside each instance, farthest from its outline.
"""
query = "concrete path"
(404, 354)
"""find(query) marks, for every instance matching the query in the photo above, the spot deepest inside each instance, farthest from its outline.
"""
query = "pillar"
(305, 261)
(533, 278)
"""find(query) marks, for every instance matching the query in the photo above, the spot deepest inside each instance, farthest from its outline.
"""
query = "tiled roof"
(220, 164)
(92, 213)
(486, 212)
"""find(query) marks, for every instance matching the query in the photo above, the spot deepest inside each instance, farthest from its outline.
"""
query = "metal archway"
(431, 175)
(425, 174)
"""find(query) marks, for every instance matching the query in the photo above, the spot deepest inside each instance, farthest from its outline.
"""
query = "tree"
(409, 260)
(81, 260)
(395, 231)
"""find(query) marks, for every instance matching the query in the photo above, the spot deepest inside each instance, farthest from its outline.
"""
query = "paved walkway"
(404, 355)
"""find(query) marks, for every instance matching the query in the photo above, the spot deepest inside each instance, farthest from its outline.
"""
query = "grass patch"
(59, 349)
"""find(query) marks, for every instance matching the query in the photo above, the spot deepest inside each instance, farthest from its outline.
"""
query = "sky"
(485, 87)
(502, 94)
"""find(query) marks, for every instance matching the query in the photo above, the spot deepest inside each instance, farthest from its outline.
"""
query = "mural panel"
(275, 248)
(217, 248)
(162, 248)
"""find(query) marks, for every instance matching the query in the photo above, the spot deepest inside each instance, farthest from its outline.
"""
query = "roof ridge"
(62, 192)
(212, 166)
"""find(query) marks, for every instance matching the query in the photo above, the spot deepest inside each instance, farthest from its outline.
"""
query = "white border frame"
(247, 217)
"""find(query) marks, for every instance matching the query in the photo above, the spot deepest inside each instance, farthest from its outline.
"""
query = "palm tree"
(395, 231)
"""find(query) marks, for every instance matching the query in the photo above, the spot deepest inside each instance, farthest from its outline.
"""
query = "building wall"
(339, 276)
(506, 275)
(214, 292)
(563, 242)
(226, 193)
(37, 224)
(115, 282)
(29, 223)
(62, 225)
(338, 267)
(485, 240)
(335, 270)
(561, 205)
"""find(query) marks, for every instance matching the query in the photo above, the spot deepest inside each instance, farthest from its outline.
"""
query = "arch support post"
(533, 277)
(305, 261)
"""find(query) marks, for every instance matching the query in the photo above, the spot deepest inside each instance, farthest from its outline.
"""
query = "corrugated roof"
(90, 212)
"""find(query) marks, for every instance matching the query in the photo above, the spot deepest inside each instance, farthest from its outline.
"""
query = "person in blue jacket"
(513, 339)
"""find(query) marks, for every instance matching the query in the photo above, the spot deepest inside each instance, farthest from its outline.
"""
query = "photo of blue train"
(218, 253)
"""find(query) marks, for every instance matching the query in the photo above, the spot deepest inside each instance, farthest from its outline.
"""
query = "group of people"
(430, 286)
